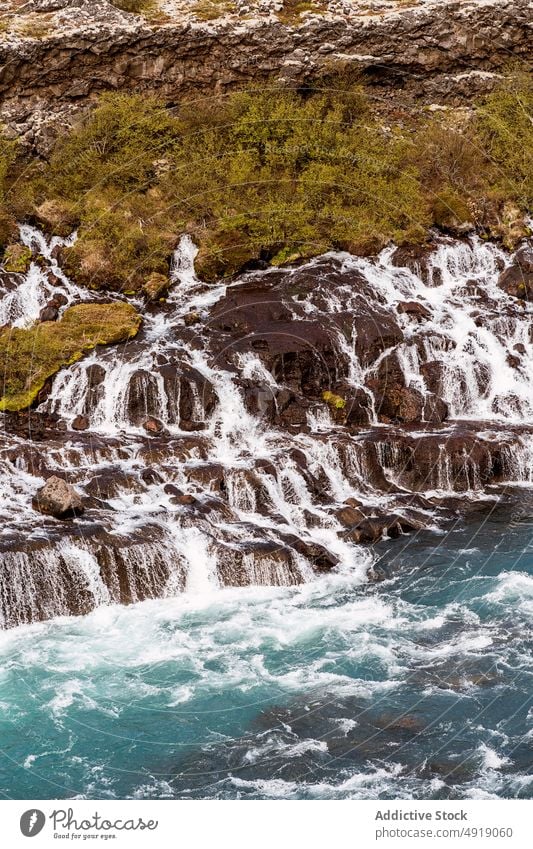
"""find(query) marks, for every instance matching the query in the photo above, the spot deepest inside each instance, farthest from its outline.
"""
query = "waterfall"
(301, 413)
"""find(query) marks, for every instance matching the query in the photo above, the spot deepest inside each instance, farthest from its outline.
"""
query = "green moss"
(17, 258)
(334, 401)
(30, 356)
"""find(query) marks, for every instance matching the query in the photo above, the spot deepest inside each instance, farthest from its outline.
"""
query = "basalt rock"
(448, 51)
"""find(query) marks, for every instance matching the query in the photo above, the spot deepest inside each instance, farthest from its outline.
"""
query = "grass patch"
(210, 10)
(36, 27)
(136, 7)
(30, 356)
(294, 9)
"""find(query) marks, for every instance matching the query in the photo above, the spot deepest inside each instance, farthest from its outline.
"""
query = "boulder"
(58, 498)
(400, 404)
(80, 423)
(517, 279)
(349, 516)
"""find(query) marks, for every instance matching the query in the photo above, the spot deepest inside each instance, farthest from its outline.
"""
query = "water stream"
(212, 625)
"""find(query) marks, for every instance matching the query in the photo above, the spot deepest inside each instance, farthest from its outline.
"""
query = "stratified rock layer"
(434, 51)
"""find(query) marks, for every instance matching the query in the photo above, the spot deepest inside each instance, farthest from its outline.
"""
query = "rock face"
(517, 279)
(427, 50)
(58, 498)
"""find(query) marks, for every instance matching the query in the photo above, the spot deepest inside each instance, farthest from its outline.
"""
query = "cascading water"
(248, 472)
(235, 461)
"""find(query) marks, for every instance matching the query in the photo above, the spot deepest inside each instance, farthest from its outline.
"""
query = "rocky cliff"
(57, 55)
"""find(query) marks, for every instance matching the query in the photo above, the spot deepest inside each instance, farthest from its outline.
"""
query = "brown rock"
(58, 498)
(48, 313)
(349, 516)
(353, 502)
(413, 308)
(435, 409)
(185, 499)
(80, 423)
(401, 404)
(191, 318)
(153, 426)
(517, 279)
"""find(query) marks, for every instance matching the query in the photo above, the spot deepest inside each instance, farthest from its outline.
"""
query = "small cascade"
(267, 430)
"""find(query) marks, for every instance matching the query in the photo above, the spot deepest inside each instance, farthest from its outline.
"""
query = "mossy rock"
(17, 259)
(156, 286)
(336, 402)
(30, 356)
(223, 255)
(56, 216)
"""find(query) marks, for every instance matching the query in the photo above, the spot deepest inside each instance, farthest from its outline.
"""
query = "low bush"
(278, 175)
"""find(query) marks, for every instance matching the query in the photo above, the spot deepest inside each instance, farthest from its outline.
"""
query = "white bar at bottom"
(268, 824)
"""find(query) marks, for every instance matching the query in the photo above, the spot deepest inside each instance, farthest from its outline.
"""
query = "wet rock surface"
(305, 416)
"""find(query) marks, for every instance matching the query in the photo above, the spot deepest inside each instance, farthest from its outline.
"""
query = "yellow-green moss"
(334, 401)
(28, 357)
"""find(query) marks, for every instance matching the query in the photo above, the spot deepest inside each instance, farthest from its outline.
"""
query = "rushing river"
(420, 686)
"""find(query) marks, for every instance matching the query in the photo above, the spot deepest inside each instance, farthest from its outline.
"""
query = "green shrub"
(277, 175)
(504, 124)
(17, 258)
